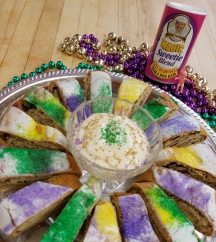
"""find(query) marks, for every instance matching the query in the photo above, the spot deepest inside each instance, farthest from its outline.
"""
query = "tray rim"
(11, 93)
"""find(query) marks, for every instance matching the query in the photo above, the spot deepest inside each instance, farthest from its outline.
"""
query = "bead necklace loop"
(120, 57)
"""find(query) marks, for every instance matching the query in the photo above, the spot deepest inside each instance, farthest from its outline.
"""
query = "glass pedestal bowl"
(113, 177)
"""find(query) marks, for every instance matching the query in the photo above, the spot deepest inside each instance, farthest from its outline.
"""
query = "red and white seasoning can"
(176, 36)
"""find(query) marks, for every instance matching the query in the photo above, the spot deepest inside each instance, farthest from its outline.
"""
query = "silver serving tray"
(9, 95)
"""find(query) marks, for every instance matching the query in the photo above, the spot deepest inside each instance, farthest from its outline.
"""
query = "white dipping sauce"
(112, 141)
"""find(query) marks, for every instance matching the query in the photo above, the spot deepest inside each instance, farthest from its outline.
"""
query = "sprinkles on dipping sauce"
(112, 141)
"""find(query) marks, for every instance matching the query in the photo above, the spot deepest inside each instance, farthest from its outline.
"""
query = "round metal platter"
(9, 95)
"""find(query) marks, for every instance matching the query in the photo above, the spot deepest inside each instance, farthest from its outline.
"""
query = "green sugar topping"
(141, 119)
(104, 106)
(175, 101)
(50, 105)
(30, 161)
(166, 208)
(113, 133)
(78, 91)
(156, 109)
(68, 223)
(103, 91)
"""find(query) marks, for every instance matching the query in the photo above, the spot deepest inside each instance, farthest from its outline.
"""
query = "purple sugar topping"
(78, 141)
(91, 232)
(84, 114)
(135, 220)
(182, 186)
(87, 110)
(31, 200)
(36, 197)
(178, 125)
(10, 226)
(80, 116)
(73, 102)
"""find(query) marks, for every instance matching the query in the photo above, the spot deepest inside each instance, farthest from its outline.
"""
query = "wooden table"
(31, 31)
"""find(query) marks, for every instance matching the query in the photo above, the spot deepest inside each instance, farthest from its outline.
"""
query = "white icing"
(16, 122)
(132, 150)
(41, 95)
(203, 154)
(87, 190)
(8, 164)
(163, 154)
(177, 231)
(175, 126)
(13, 214)
(100, 230)
(208, 157)
(97, 79)
(7, 209)
(68, 86)
(189, 188)
(95, 185)
(181, 234)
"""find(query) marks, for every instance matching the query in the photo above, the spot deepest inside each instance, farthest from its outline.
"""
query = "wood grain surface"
(31, 31)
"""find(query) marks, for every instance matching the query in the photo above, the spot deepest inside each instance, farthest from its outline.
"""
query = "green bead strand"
(38, 70)
(63, 67)
(81, 65)
(10, 83)
(44, 67)
(99, 68)
(212, 124)
(59, 64)
(87, 66)
(24, 76)
(51, 64)
(205, 115)
(32, 74)
(16, 79)
(213, 117)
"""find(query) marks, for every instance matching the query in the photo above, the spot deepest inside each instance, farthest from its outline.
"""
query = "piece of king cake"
(21, 167)
(161, 108)
(30, 206)
(64, 179)
(133, 218)
(70, 220)
(17, 129)
(103, 226)
(68, 91)
(98, 84)
(44, 108)
(169, 223)
(182, 131)
(196, 161)
(195, 199)
(133, 90)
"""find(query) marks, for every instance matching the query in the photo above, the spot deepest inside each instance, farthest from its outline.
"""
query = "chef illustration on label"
(173, 40)
(178, 28)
